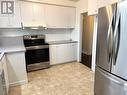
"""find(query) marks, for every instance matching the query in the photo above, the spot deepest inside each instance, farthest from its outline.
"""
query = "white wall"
(82, 7)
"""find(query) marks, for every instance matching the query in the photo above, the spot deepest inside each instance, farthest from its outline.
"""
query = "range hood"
(34, 25)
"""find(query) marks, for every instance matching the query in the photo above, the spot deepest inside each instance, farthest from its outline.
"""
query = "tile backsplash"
(51, 34)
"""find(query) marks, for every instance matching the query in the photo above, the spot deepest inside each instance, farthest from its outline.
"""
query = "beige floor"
(65, 79)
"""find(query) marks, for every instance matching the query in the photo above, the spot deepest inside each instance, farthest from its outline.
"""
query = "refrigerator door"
(106, 24)
(107, 84)
(119, 67)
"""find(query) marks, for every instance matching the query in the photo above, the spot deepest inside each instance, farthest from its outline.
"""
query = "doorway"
(87, 39)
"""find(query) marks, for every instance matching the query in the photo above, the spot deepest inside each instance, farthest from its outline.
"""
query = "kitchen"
(52, 29)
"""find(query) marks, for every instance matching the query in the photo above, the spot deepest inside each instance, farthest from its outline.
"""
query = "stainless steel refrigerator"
(111, 60)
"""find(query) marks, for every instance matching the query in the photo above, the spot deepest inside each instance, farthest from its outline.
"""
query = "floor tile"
(64, 79)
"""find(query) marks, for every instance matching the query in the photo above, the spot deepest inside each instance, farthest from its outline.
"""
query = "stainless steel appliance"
(111, 61)
(37, 52)
(3, 90)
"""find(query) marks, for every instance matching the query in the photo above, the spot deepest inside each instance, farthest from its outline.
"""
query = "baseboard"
(64, 62)
(22, 82)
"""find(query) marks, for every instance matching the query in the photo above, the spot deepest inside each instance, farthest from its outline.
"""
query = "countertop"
(61, 42)
(11, 44)
(11, 49)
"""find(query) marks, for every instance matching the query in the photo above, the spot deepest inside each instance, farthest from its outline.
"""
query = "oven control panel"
(34, 37)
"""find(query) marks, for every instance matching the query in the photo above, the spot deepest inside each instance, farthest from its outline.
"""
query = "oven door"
(37, 57)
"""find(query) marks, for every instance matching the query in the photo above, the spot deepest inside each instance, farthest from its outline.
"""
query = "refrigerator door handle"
(116, 41)
(109, 42)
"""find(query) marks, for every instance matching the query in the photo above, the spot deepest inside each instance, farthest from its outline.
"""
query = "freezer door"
(119, 67)
(106, 23)
(107, 84)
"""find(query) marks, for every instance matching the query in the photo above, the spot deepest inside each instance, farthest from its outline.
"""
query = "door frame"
(94, 39)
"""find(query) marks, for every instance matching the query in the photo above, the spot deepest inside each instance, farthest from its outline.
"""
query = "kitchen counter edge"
(61, 42)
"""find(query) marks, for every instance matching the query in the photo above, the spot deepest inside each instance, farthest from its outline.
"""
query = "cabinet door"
(11, 20)
(32, 12)
(56, 16)
(4, 66)
(4, 21)
(15, 20)
(92, 7)
(58, 54)
(71, 17)
(67, 52)
(73, 51)
(62, 53)
(53, 54)
(27, 11)
(102, 3)
(16, 68)
(39, 13)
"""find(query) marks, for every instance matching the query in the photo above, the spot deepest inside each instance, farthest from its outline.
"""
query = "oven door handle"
(37, 47)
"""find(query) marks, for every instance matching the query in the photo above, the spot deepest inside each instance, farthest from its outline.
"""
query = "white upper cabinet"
(60, 17)
(27, 12)
(11, 20)
(71, 17)
(92, 7)
(32, 13)
(102, 3)
(55, 18)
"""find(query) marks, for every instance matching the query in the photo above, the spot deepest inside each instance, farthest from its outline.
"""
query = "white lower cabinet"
(4, 67)
(16, 68)
(62, 53)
